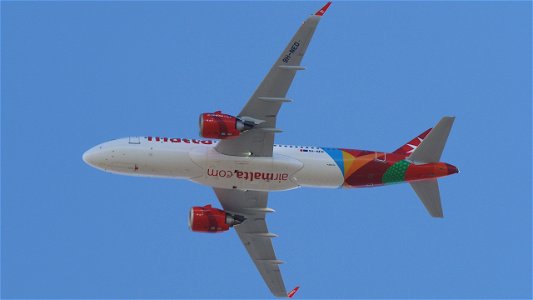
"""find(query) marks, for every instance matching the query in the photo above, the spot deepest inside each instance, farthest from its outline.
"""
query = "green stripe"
(396, 172)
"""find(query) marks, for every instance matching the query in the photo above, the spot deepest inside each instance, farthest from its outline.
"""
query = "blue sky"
(378, 73)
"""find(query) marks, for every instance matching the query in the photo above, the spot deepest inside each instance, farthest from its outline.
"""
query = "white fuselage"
(197, 160)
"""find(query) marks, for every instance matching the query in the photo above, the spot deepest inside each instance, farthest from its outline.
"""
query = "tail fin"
(408, 148)
(428, 192)
(430, 150)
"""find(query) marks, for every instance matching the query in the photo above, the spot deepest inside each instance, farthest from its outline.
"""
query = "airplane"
(239, 160)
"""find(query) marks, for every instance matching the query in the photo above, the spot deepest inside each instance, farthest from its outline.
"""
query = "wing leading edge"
(265, 103)
(262, 108)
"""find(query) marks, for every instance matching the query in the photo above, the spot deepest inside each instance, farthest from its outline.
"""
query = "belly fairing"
(246, 173)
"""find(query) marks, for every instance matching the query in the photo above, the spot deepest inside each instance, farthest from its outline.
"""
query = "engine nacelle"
(209, 219)
(221, 126)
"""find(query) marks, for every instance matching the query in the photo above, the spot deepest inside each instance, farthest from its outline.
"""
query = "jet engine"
(222, 126)
(209, 219)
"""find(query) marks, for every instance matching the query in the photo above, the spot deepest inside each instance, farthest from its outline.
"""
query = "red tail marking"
(322, 11)
(408, 148)
(291, 293)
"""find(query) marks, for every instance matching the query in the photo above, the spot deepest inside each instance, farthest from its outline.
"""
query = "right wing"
(266, 101)
(254, 234)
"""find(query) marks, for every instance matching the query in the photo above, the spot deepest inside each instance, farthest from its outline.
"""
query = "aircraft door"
(381, 156)
(135, 140)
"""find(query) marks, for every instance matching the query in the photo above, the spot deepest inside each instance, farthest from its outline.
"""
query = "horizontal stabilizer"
(430, 150)
(428, 192)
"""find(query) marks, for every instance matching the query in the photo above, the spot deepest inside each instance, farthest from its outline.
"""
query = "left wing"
(264, 105)
(262, 109)
(254, 234)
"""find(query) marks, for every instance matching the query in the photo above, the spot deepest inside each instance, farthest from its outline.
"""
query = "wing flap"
(254, 233)
(264, 259)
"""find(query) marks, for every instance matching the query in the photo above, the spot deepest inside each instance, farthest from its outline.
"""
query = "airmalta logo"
(249, 176)
(416, 144)
(178, 140)
(410, 147)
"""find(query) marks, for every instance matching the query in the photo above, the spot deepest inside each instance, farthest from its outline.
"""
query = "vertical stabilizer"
(410, 147)
(430, 150)
(428, 192)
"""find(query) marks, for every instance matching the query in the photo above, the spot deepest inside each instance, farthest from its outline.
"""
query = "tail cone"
(452, 169)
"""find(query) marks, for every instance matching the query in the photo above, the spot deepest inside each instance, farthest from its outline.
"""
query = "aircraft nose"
(94, 157)
(88, 157)
(452, 169)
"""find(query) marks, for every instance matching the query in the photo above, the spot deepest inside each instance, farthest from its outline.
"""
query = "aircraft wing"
(254, 234)
(264, 105)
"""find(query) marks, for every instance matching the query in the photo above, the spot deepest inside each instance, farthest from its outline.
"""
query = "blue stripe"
(336, 155)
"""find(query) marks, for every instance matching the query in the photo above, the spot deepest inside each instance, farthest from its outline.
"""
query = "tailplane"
(428, 192)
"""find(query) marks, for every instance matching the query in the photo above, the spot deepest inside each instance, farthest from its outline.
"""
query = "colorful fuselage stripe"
(362, 168)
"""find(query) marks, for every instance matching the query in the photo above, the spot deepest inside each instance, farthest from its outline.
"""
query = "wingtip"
(291, 293)
(322, 11)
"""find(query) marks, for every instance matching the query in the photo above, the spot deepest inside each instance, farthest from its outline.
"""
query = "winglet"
(291, 293)
(322, 11)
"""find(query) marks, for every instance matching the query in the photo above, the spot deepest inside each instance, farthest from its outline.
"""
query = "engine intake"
(209, 219)
(222, 126)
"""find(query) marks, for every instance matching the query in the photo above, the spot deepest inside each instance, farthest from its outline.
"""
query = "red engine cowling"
(209, 219)
(221, 126)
